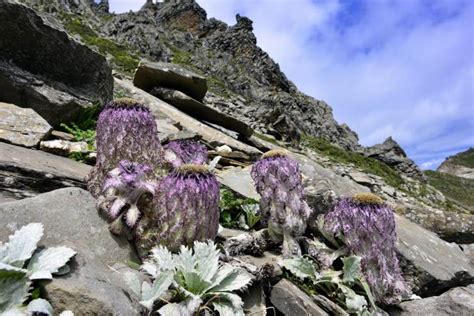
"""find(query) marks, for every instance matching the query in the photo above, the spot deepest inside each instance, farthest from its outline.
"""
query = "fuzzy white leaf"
(226, 309)
(354, 302)
(7, 271)
(194, 283)
(230, 279)
(161, 259)
(351, 268)
(207, 259)
(22, 244)
(159, 287)
(214, 162)
(13, 292)
(233, 299)
(185, 261)
(40, 305)
(185, 308)
(66, 313)
(49, 260)
(18, 311)
(301, 267)
(133, 282)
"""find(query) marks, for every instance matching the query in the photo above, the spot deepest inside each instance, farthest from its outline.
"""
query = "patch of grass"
(181, 57)
(266, 138)
(456, 189)
(121, 56)
(366, 164)
(465, 158)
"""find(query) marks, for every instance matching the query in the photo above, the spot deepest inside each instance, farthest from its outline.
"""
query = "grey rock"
(361, 178)
(21, 126)
(430, 265)
(63, 147)
(456, 302)
(150, 75)
(292, 301)
(93, 286)
(201, 111)
(62, 135)
(26, 172)
(391, 153)
(42, 68)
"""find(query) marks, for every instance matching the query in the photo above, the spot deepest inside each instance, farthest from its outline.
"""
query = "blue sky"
(403, 68)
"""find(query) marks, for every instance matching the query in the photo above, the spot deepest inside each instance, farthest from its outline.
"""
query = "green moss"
(465, 158)
(266, 138)
(181, 57)
(369, 165)
(456, 189)
(121, 56)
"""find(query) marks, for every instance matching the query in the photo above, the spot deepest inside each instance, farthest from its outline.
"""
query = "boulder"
(291, 301)
(430, 265)
(27, 172)
(201, 111)
(21, 126)
(93, 286)
(42, 68)
(392, 154)
(159, 74)
(456, 302)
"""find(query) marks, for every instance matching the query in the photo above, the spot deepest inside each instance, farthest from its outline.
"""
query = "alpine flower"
(186, 209)
(180, 152)
(279, 182)
(126, 130)
(366, 225)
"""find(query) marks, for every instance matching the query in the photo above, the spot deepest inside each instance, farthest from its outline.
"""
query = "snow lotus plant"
(338, 285)
(197, 279)
(184, 151)
(20, 264)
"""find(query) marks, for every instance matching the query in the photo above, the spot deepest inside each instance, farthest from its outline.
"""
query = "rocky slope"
(219, 89)
(460, 165)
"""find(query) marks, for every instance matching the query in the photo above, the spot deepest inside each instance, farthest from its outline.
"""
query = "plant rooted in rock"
(366, 226)
(123, 189)
(279, 182)
(180, 152)
(126, 130)
(195, 278)
(186, 208)
(21, 263)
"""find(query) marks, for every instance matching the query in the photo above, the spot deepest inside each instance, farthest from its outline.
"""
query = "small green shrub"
(238, 212)
(367, 164)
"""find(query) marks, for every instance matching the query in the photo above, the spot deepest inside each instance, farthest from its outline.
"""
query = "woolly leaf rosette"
(123, 189)
(126, 130)
(367, 227)
(186, 209)
(278, 180)
(180, 152)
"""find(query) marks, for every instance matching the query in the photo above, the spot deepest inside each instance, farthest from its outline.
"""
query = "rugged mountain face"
(461, 164)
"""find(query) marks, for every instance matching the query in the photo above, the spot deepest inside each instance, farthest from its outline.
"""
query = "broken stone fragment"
(63, 147)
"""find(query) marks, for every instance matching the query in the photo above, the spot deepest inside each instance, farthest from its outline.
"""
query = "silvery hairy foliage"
(195, 277)
(278, 180)
(126, 130)
(366, 225)
(21, 263)
(123, 188)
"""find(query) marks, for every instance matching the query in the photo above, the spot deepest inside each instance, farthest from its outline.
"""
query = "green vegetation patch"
(465, 159)
(457, 189)
(121, 56)
(238, 212)
(367, 164)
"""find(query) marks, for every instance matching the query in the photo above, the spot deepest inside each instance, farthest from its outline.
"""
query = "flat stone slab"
(159, 74)
(20, 126)
(27, 172)
(94, 285)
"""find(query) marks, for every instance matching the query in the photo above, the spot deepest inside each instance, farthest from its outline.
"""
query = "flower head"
(279, 182)
(367, 227)
(125, 186)
(186, 209)
(184, 151)
(126, 130)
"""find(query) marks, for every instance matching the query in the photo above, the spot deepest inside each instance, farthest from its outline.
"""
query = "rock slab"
(69, 217)
(20, 126)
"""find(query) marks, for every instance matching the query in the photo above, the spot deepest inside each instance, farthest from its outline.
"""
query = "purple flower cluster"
(180, 152)
(124, 187)
(126, 130)
(367, 227)
(279, 182)
(187, 209)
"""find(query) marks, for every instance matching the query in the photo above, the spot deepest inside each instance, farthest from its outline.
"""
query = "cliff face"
(244, 81)
(461, 164)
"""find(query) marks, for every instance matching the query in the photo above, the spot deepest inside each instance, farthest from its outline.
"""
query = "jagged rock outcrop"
(460, 165)
(42, 68)
(391, 153)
